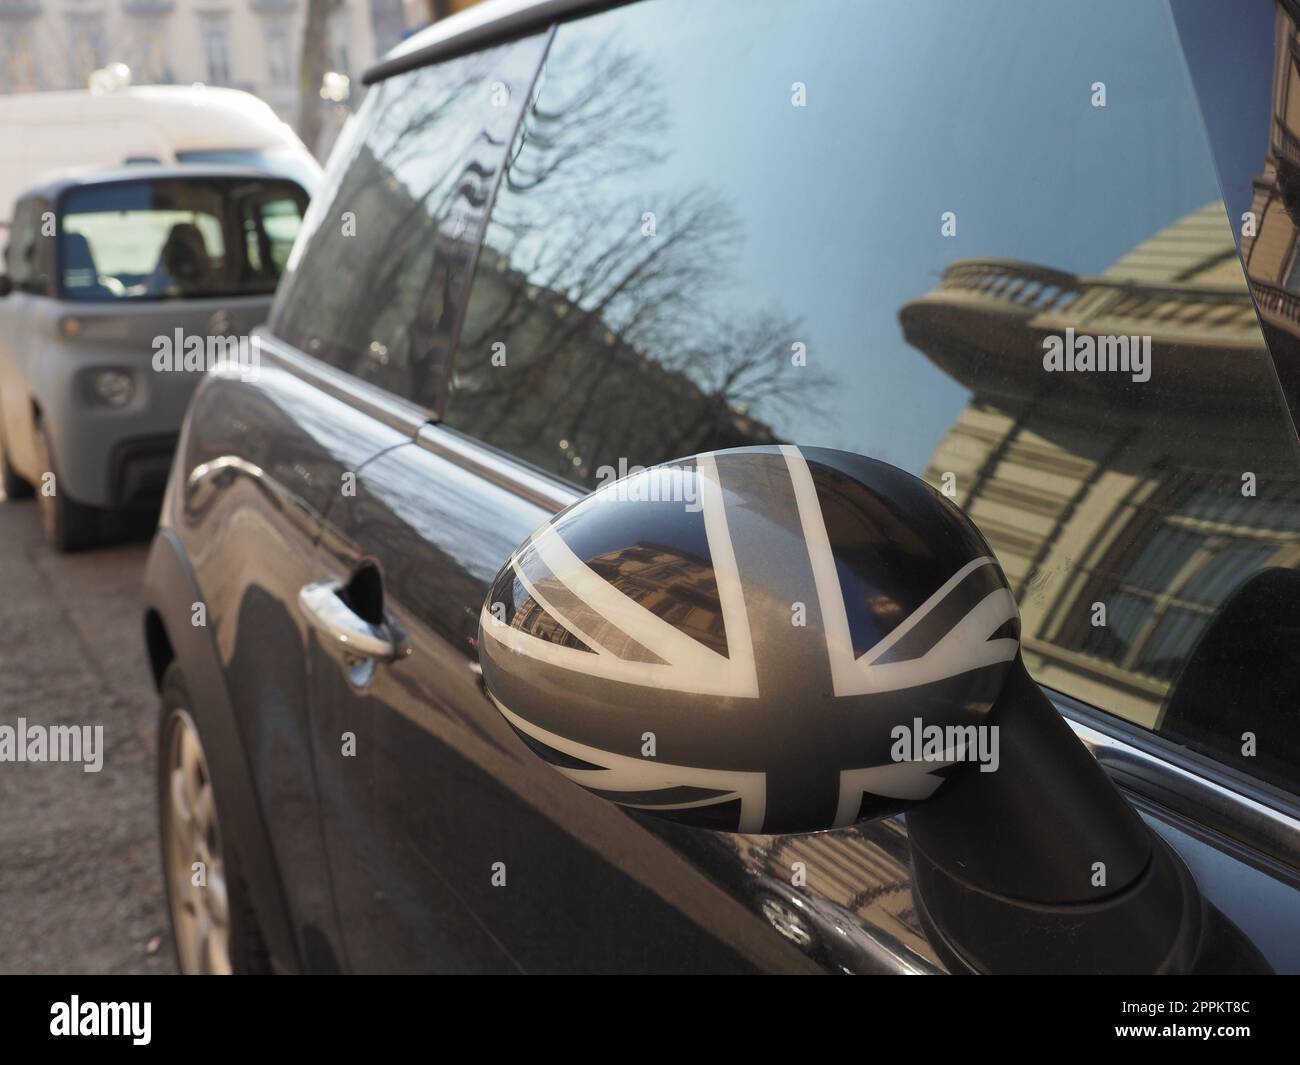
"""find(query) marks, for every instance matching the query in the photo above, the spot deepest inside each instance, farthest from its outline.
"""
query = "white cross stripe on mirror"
(620, 772)
(687, 665)
(964, 647)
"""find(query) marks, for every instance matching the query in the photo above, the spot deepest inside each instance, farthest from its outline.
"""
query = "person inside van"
(184, 264)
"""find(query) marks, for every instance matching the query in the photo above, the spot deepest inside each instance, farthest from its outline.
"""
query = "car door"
(258, 463)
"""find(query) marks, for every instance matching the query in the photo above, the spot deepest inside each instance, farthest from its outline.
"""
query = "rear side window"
(377, 286)
(176, 238)
(731, 223)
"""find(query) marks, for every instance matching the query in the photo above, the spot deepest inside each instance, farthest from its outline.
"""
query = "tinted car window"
(377, 286)
(736, 223)
(175, 238)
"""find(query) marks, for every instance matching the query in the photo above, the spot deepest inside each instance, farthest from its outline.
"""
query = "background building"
(1272, 249)
(254, 45)
(1132, 502)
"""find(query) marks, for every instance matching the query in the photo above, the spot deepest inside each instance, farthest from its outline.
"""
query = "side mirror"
(731, 640)
(781, 639)
(6, 285)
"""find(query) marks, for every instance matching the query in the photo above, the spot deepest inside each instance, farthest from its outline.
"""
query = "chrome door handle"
(341, 626)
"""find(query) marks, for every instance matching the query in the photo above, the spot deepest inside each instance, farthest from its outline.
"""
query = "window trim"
(384, 406)
(547, 34)
(1251, 812)
(481, 27)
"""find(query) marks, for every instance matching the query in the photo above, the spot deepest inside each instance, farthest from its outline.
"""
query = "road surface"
(80, 887)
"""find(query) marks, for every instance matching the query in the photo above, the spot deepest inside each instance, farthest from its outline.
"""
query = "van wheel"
(15, 487)
(214, 926)
(68, 525)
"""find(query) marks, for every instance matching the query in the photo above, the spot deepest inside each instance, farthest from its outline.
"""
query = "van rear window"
(176, 238)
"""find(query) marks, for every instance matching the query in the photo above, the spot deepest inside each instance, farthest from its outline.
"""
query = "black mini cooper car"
(770, 486)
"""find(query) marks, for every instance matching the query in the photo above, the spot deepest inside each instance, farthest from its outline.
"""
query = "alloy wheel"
(196, 869)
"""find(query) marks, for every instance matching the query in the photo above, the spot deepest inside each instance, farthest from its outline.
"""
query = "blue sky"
(1222, 44)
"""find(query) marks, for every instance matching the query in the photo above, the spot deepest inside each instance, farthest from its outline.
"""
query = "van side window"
(16, 261)
(28, 257)
(377, 284)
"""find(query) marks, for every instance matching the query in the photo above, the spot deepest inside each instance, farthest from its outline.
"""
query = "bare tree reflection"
(612, 316)
(397, 273)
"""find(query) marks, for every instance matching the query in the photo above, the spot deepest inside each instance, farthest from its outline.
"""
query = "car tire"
(68, 525)
(214, 926)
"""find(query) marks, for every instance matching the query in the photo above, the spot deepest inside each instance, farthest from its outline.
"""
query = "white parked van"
(148, 276)
(45, 134)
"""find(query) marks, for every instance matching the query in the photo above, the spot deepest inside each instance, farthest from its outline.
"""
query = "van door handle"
(342, 627)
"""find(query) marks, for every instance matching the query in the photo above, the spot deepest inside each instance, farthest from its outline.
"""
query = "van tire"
(15, 487)
(67, 524)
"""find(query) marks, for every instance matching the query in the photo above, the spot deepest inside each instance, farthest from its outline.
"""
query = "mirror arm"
(1046, 849)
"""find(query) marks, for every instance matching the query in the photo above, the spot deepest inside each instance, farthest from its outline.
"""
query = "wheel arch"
(169, 594)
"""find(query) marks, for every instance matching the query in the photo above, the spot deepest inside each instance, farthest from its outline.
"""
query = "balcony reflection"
(1126, 520)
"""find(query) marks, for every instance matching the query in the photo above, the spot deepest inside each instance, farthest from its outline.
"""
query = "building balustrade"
(1275, 301)
(1161, 307)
